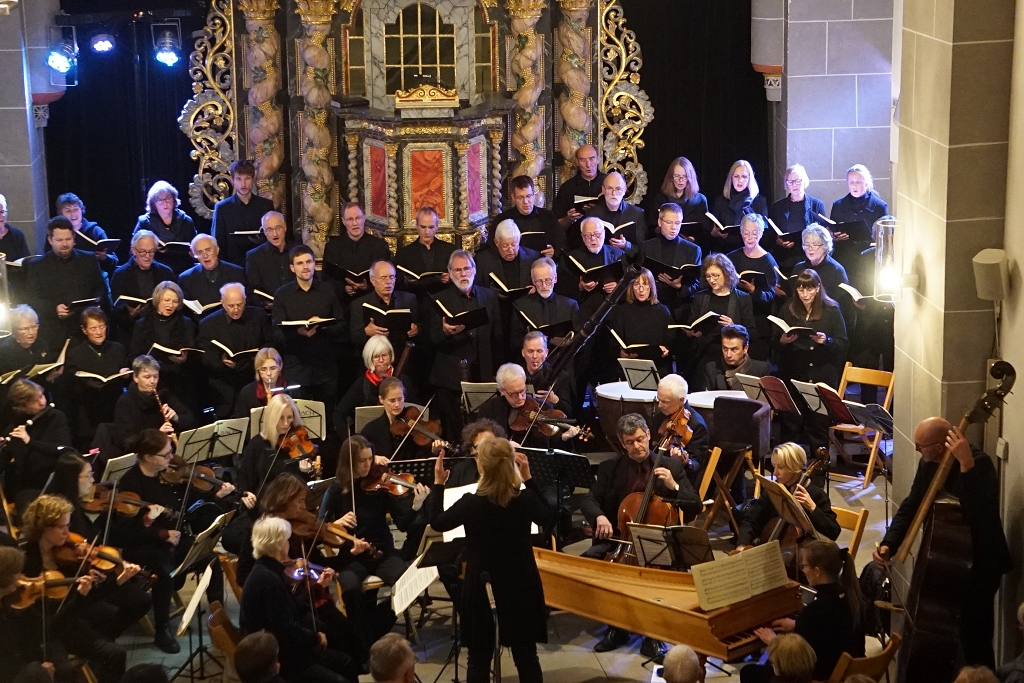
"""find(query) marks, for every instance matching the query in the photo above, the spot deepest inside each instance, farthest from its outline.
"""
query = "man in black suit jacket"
(202, 282)
(355, 250)
(240, 328)
(267, 267)
(622, 476)
(720, 374)
(240, 213)
(613, 208)
(543, 306)
(974, 481)
(456, 346)
(530, 218)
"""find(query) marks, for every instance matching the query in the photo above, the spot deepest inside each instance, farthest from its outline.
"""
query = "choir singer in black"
(543, 306)
(267, 266)
(669, 248)
(365, 313)
(629, 221)
(355, 250)
(90, 400)
(792, 214)
(136, 279)
(548, 236)
(680, 187)
(202, 282)
(758, 272)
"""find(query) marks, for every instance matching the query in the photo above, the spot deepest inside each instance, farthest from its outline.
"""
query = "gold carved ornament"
(264, 119)
(209, 119)
(625, 109)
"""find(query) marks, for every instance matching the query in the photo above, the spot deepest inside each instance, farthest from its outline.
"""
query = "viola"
(178, 471)
(50, 584)
(127, 503)
(301, 569)
(334, 535)
(424, 432)
(380, 478)
(548, 421)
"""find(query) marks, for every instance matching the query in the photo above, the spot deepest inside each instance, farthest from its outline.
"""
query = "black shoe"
(166, 641)
(613, 638)
(650, 648)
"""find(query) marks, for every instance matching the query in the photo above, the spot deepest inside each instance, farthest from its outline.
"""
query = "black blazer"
(713, 374)
(254, 332)
(196, 287)
(609, 490)
(809, 361)
(481, 344)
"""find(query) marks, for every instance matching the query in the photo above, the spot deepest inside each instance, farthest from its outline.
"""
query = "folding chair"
(855, 522)
(872, 667)
(223, 633)
(870, 438)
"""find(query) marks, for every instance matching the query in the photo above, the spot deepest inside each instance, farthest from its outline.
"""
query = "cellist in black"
(974, 481)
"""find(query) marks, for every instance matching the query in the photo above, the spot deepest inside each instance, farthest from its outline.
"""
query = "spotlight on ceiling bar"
(102, 42)
(166, 41)
(62, 56)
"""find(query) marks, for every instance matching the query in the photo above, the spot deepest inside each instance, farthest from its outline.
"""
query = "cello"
(931, 638)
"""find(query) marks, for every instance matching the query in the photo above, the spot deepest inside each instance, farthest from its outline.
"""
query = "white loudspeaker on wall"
(991, 274)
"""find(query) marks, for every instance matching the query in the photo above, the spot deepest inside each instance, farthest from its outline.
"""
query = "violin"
(424, 432)
(301, 569)
(50, 584)
(297, 444)
(127, 503)
(380, 478)
(330, 534)
(675, 431)
(102, 557)
(178, 471)
(549, 421)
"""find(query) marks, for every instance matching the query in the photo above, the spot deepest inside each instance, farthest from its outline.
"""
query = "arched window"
(419, 45)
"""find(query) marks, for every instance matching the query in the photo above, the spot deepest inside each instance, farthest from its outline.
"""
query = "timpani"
(615, 399)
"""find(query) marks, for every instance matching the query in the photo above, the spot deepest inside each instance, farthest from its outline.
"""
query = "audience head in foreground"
(682, 665)
(392, 660)
(792, 658)
(256, 658)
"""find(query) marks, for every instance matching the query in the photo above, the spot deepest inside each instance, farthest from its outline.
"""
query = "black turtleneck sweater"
(174, 331)
(731, 211)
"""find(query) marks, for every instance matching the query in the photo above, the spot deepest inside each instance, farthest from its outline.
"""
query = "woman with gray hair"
(12, 241)
(24, 347)
(166, 324)
(169, 223)
(379, 360)
(817, 243)
(792, 214)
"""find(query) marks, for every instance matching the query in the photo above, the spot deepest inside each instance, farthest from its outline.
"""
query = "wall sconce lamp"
(992, 281)
(889, 276)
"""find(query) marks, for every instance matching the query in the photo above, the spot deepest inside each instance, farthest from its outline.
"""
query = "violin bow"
(271, 468)
(543, 402)
(411, 428)
(351, 470)
(78, 573)
(184, 499)
(309, 589)
(110, 512)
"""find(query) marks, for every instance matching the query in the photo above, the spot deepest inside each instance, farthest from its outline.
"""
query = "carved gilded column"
(315, 136)
(529, 123)
(495, 133)
(572, 67)
(265, 117)
(352, 142)
(461, 148)
(392, 150)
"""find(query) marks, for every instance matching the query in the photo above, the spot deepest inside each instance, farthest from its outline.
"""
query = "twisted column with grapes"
(529, 123)
(265, 117)
(571, 67)
(315, 136)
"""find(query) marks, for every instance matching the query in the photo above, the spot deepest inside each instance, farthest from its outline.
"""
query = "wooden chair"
(855, 522)
(230, 567)
(873, 667)
(709, 473)
(223, 633)
(868, 437)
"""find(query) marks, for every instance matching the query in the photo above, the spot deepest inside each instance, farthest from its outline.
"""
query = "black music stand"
(423, 468)
(316, 492)
(641, 374)
(551, 465)
(436, 554)
(220, 439)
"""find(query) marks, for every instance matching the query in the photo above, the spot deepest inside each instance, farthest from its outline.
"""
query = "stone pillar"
(23, 71)
(836, 99)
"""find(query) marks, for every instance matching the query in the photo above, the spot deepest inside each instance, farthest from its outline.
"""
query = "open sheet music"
(452, 496)
(739, 577)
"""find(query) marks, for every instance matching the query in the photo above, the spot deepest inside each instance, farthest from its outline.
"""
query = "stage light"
(102, 42)
(166, 42)
(63, 56)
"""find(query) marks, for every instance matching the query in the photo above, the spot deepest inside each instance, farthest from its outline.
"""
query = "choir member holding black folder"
(384, 311)
(24, 347)
(504, 268)
(639, 325)
(739, 197)
(465, 328)
(625, 223)
(267, 266)
(540, 229)
(792, 214)
(353, 252)
(553, 314)
(817, 245)
(61, 281)
(132, 285)
(95, 375)
(722, 304)
(666, 254)
(680, 187)
(202, 282)
(236, 220)
(168, 335)
(578, 194)
(861, 205)
(423, 264)
(758, 273)
(230, 338)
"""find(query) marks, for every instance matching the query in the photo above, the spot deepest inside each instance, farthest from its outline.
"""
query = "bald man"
(267, 267)
(202, 282)
(973, 480)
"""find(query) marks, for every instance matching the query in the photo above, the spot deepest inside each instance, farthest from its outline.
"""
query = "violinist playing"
(512, 402)
(367, 521)
(266, 456)
(153, 537)
(45, 528)
(789, 461)
(37, 434)
(620, 477)
(268, 603)
(672, 390)
(385, 435)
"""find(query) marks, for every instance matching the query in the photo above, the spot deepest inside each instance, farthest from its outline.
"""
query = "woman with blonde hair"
(269, 381)
(792, 214)
(263, 458)
(740, 196)
(499, 551)
(641, 319)
(789, 462)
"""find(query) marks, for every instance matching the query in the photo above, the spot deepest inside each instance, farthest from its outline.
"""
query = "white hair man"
(672, 391)
(543, 307)
(510, 404)
(202, 282)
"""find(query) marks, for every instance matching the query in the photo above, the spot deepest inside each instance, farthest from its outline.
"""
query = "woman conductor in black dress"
(498, 549)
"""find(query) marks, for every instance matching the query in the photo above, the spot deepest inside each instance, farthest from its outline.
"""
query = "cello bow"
(980, 413)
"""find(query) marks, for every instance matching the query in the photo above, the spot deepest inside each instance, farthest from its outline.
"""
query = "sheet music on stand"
(205, 542)
(314, 417)
(640, 373)
(452, 496)
(752, 387)
(650, 545)
(475, 394)
(411, 584)
(872, 416)
(809, 392)
(786, 505)
(217, 440)
(554, 465)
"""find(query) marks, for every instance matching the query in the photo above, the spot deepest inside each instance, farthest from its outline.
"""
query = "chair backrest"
(256, 420)
(222, 632)
(878, 378)
(742, 421)
(874, 667)
(778, 394)
(709, 473)
(855, 522)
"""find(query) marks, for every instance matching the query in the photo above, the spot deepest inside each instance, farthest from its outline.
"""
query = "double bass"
(942, 567)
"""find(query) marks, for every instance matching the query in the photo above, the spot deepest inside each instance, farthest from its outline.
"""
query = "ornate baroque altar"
(398, 104)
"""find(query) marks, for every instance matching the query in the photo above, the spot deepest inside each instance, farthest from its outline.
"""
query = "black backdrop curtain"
(113, 135)
(709, 103)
